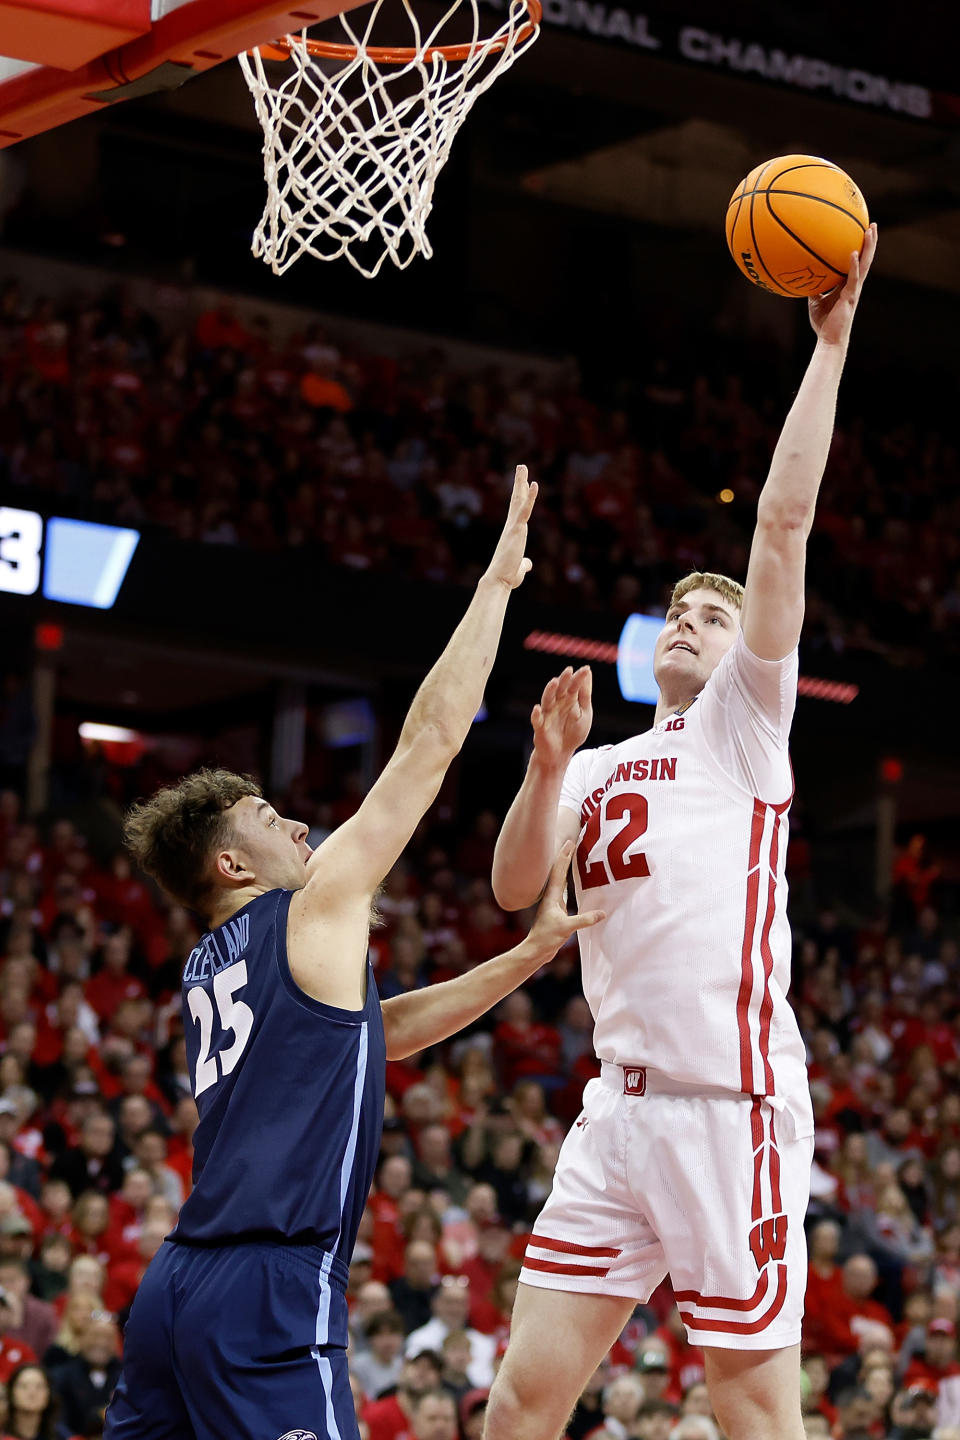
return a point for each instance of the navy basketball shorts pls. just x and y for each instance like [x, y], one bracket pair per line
[223, 1342]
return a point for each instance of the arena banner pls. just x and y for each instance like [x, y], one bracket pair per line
[748, 57]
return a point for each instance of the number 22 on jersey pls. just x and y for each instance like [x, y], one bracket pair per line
[234, 1015]
[613, 863]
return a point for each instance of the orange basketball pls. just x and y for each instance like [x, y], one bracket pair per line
[793, 224]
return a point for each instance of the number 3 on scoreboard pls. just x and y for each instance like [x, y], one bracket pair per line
[615, 864]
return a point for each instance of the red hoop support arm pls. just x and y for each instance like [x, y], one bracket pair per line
[194, 37]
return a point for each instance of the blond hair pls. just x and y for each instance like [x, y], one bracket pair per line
[174, 835]
[731, 590]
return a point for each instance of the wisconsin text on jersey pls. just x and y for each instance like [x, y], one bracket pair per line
[206, 958]
[659, 768]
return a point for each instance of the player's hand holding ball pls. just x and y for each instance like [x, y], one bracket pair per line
[832, 315]
[553, 927]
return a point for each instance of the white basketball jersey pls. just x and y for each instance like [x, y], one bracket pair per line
[683, 843]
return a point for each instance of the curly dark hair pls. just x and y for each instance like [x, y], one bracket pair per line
[173, 835]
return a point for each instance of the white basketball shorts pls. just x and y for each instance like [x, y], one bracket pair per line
[712, 1187]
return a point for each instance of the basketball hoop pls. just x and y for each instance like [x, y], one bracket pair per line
[356, 133]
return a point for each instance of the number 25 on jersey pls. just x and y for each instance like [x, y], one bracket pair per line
[234, 1015]
[613, 862]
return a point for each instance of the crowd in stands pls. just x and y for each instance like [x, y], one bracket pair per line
[96, 1120]
[216, 430]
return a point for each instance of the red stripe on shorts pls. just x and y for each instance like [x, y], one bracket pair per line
[540, 1242]
[554, 1267]
[746, 958]
[774, 1168]
[744, 1327]
[717, 1302]
[766, 1005]
[756, 1130]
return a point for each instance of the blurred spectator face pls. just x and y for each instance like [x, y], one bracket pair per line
[452, 1301]
[395, 1176]
[855, 1411]
[152, 1236]
[373, 1298]
[655, 1422]
[696, 1401]
[824, 1242]
[186, 1117]
[493, 1243]
[879, 1385]
[116, 952]
[55, 1198]
[14, 1279]
[56, 1253]
[150, 1149]
[508, 1150]
[97, 1136]
[652, 1367]
[456, 1352]
[158, 1208]
[29, 1392]
[435, 1417]
[529, 1102]
[518, 1009]
[100, 1343]
[136, 1074]
[941, 1345]
[622, 1399]
[135, 1115]
[420, 1374]
[915, 1410]
[91, 1214]
[86, 1274]
[419, 1264]
[75, 1046]
[859, 1277]
[481, 1203]
[22, 1035]
[136, 1189]
[435, 1147]
[386, 1339]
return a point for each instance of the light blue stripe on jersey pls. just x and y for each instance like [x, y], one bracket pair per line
[346, 1171]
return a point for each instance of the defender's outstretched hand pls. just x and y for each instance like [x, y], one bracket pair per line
[831, 315]
[561, 722]
[509, 564]
[553, 926]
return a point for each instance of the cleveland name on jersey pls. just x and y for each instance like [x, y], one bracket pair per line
[683, 841]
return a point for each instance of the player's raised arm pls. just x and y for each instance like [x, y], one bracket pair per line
[772, 613]
[355, 859]
[534, 828]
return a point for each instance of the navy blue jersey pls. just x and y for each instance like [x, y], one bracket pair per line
[289, 1090]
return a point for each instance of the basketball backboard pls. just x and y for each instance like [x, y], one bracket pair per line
[62, 59]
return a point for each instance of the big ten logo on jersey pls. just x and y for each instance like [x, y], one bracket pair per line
[768, 1240]
[615, 860]
[675, 722]
[221, 962]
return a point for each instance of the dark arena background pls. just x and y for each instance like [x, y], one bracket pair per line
[307, 474]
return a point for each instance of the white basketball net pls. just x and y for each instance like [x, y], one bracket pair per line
[353, 147]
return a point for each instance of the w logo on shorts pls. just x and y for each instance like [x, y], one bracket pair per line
[768, 1240]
